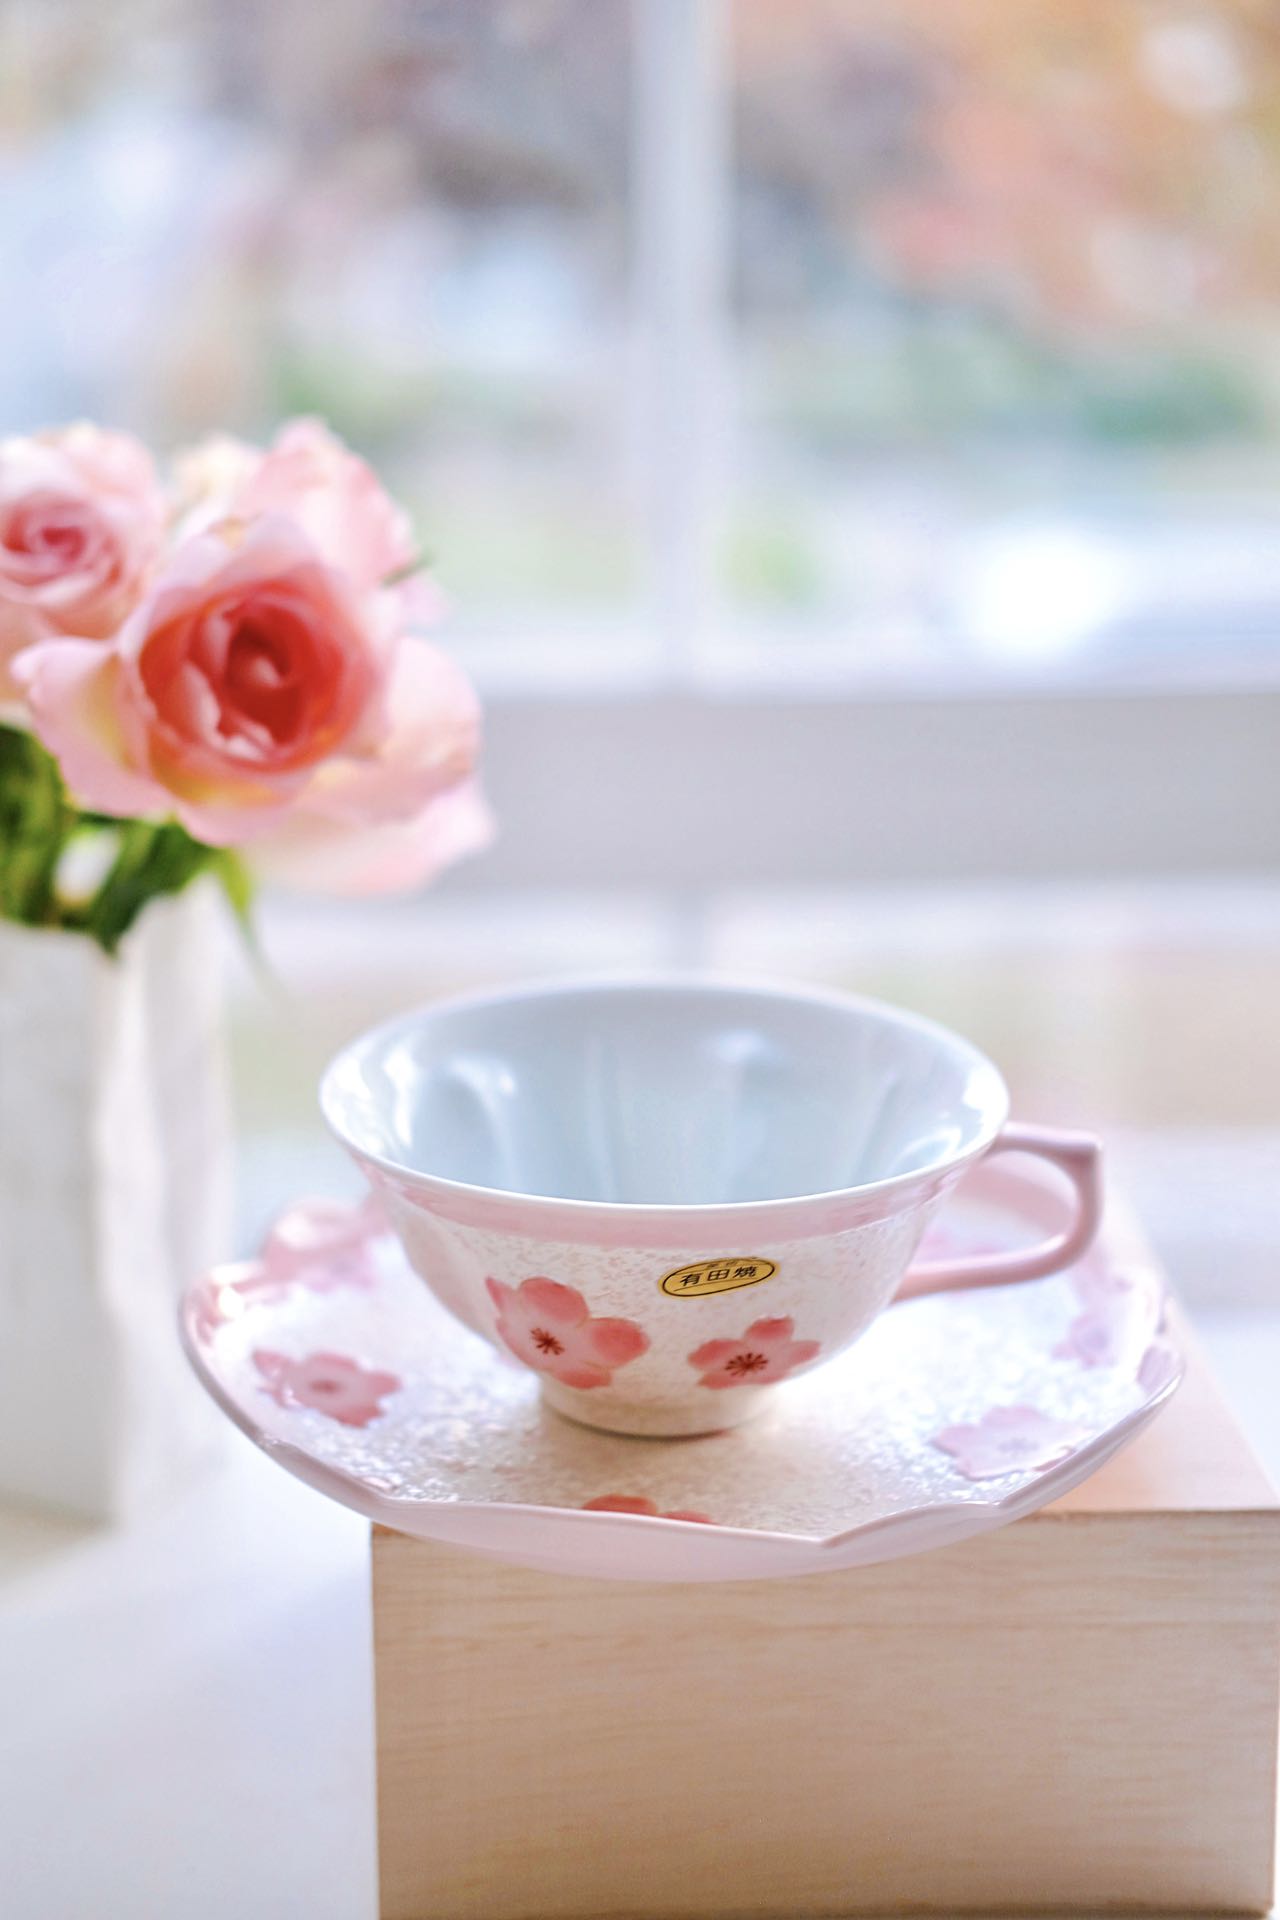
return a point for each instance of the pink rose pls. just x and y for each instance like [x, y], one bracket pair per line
[206, 477]
[82, 518]
[309, 476]
[256, 686]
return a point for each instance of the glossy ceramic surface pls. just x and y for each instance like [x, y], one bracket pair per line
[593, 1177]
[663, 1093]
[955, 1414]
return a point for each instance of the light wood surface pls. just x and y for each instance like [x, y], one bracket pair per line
[1079, 1712]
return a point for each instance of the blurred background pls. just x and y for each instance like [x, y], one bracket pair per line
[848, 434]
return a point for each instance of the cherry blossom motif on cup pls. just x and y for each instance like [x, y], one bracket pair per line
[330, 1383]
[648, 1509]
[550, 1327]
[264, 688]
[1008, 1440]
[767, 1352]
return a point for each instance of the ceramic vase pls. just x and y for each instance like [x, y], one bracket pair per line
[115, 1179]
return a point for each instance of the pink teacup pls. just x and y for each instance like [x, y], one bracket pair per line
[666, 1196]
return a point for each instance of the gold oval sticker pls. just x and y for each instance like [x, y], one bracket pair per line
[716, 1276]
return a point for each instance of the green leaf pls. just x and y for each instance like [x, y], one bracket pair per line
[399, 575]
[36, 819]
[237, 884]
[154, 859]
[38, 823]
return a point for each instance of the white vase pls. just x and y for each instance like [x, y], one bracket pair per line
[115, 1182]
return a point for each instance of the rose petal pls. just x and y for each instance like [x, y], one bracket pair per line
[228, 789]
[429, 743]
[310, 475]
[72, 688]
[100, 491]
[208, 476]
[308, 851]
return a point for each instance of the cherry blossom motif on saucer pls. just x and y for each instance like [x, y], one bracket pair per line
[955, 1413]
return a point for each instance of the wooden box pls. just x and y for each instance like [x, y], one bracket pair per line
[1078, 1712]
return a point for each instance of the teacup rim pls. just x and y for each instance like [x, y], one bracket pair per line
[675, 981]
[683, 981]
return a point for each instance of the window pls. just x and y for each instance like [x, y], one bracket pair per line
[847, 430]
[412, 219]
[1005, 320]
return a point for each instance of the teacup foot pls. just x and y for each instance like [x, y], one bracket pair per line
[601, 1410]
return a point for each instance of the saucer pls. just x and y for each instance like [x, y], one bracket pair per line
[954, 1413]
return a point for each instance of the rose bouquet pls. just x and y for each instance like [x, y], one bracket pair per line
[218, 674]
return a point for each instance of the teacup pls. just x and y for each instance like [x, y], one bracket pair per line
[667, 1196]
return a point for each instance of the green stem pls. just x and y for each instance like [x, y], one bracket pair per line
[37, 821]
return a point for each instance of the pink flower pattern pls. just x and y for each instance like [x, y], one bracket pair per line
[550, 1327]
[1159, 1365]
[1008, 1440]
[635, 1503]
[1117, 1317]
[205, 1310]
[766, 1352]
[331, 1383]
[322, 1245]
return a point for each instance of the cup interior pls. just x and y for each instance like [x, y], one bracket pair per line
[663, 1094]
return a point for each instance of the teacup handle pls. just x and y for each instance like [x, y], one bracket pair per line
[1079, 1156]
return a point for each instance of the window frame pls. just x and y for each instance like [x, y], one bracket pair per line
[686, 768]
[694, 789]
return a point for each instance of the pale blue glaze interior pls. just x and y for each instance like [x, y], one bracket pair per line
[670, 1095]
